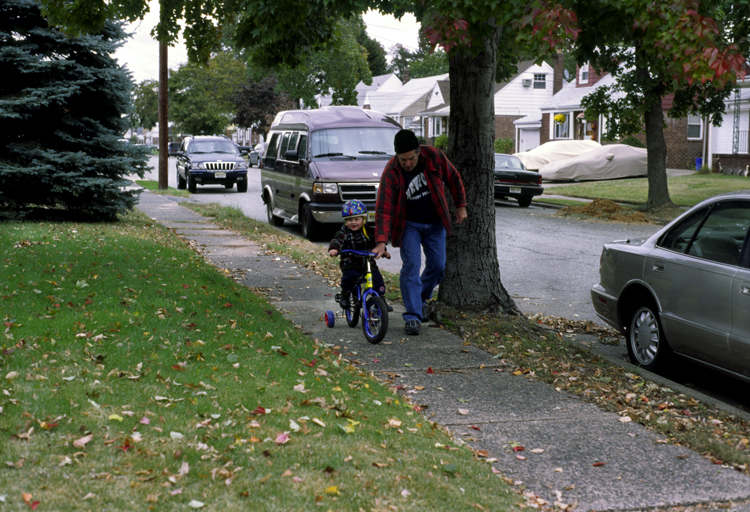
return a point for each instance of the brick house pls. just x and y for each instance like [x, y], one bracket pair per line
[563, 118]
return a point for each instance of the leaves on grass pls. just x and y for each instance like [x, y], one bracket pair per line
[83, 441]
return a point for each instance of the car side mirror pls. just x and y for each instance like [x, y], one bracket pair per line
[291, 155]
[180, 153]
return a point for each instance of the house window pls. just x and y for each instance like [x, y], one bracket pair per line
[561, 125]
[583, 77]
[540, 81]
[695, 127]
[438, 126]
[407, 122]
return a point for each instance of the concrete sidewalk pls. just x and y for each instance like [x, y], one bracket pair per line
[589, 459]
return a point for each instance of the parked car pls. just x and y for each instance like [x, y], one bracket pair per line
[685, 290]
[603, 163]
[256, 154]
[174, 147]
[210, 160]
[513, 180]
[318, 159]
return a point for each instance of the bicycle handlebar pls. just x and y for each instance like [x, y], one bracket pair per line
[359, 253]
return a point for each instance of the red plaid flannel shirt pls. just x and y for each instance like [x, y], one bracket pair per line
[390, 208]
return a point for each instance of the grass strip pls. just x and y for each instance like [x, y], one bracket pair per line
[136, 376]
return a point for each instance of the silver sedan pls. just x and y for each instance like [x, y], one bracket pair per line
[685, 290]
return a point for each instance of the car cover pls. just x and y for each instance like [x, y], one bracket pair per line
[603, 163]
[555, 150]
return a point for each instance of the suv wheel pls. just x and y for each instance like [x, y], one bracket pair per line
[191, 186]
[310, 227]
[228, 185]
[242, 186]
[181, 183]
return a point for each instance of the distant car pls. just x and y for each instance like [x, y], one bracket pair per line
[256, 154]
[210, 160]
[513, 180]
[685, 290]
[554, 151]
[174, 147]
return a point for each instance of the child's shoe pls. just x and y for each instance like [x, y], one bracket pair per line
[344, 300]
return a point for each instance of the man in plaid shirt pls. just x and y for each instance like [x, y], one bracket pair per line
[412, 213]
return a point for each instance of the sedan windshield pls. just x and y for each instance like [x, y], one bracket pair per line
[353, 142]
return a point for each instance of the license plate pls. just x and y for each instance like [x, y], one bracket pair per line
[220, 175]
[515, 190]
[370, 216]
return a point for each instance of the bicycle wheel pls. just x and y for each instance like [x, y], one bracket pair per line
[352, 312]
[375, 322]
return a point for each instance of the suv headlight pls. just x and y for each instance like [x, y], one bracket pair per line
[240, 165]
[325, 188]
[196, 165]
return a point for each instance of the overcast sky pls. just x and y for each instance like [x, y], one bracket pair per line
[141, 53]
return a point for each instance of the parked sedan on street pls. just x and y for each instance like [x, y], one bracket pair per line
[684, 290]
[513, 180]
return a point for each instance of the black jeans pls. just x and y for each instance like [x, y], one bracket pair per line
[350, 275]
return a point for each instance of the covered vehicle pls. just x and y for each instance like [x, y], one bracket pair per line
[603, 163]
[513, 180]
[554, 151]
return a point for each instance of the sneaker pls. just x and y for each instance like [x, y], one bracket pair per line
[344, 301]
[390, 308]
[413, 328]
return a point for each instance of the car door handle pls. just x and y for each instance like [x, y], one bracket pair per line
[658, 266]
[745, 290]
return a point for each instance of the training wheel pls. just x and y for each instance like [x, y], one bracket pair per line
[330, 318]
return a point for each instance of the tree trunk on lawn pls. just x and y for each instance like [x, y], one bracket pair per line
[472, 274]
[658, 191]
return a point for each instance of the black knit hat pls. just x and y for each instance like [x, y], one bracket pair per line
[405, 141]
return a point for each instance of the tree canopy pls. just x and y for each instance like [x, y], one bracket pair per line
[201, 96]
[146, 104]
[61, 118]
[257, 103]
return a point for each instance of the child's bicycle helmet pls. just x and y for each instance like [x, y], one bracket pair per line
[354, 208]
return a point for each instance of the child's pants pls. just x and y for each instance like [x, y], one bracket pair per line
[349, 279]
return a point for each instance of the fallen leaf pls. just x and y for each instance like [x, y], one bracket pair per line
[463, 412]
[115, 417]
[333, 490]
[81, 443]
[482, 453]
[520, 457]
[537, 450]
[625, 419]
[598, 464]
[430, 370]
[318, 422]
[393, 422]
[282, 438]
[196, 504]
[474, 427]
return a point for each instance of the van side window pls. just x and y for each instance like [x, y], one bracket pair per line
[284, 146]
[270, 160]
[302, 148]
[293, 141]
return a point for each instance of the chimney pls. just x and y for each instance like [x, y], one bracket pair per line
[558, 72]
[405, 75]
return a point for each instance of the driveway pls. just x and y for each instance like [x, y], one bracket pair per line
[548, 264]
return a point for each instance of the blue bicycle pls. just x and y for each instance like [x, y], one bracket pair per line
[375, 311]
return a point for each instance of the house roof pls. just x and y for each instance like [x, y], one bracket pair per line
[570, 96]
[393, 102]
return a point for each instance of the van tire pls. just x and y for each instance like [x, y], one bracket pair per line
[311, 228]
[272, 219]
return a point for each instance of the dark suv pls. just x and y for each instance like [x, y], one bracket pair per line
[210, 160]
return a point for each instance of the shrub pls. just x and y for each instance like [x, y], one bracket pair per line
[421, 140]
[632, 141]
[504, 145]
[441, 142]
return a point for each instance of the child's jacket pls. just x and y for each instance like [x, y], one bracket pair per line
[351, 240]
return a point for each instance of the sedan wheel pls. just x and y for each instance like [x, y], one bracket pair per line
[524, 201]
[647, 345]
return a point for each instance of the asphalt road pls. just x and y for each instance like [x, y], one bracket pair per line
[548, 264]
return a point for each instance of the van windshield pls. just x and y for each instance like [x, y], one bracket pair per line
[353, 142]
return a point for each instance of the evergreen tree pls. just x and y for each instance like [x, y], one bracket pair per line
[375, 52]
[62, 102]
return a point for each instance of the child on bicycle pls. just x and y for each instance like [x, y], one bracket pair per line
[353, 236]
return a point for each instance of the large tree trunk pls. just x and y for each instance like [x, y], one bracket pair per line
[658, 191]
[472, 274]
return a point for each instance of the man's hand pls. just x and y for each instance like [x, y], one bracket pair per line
[460, 215]
[379, 250]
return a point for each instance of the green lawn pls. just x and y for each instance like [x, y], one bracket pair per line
[136, 376]
[684, 190]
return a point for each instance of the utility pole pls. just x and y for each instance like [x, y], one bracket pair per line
[163, 108]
